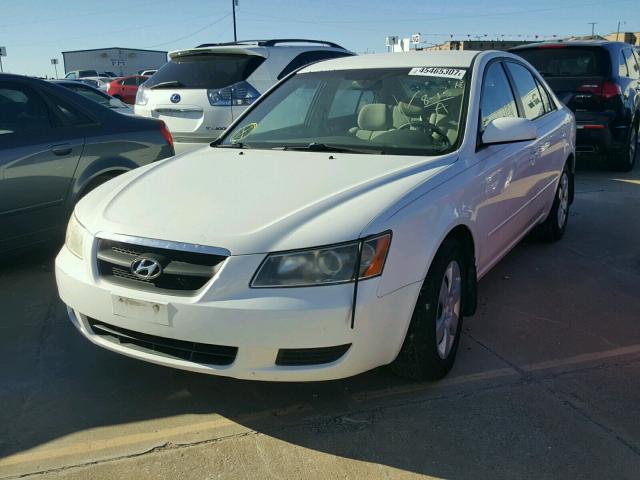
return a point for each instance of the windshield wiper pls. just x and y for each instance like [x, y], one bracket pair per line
[229, 145]
[169, 83]
[323, 147]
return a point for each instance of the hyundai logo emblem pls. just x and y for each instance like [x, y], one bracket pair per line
[146, 268]
[175, 98]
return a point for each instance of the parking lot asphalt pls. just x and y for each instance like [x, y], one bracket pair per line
[546, 383]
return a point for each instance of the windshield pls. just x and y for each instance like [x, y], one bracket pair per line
[412, 111]
[205, 71]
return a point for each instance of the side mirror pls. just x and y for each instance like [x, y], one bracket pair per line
[509, 130]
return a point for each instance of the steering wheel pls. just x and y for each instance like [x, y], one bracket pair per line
[427, 128]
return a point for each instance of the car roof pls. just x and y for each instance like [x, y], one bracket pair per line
[259, 47]
[569, 43]
[459, 59]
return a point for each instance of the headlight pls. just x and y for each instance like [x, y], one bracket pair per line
[324, 265]
[142, 96]
[74, 238]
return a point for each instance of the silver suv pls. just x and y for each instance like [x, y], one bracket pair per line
[200, 91]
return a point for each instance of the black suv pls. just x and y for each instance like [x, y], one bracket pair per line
[600, 82]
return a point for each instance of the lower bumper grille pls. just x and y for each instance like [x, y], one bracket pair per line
[310, 356]
[191, 351]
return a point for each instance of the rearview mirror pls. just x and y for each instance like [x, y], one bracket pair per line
[509, 130]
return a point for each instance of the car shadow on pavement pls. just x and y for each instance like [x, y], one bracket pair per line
[56, 384]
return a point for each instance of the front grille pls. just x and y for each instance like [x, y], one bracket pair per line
[310, 356]
[183, 272]
[167, 347]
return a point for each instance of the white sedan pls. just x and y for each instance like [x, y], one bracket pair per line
[340, 224]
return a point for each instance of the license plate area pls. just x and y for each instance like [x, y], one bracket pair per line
[135, 309]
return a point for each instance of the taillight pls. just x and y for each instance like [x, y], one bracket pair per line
[610, 89]
[166, 133]
[238, 94]
[605, 90]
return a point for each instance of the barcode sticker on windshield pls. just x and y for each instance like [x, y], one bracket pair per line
[456, 73]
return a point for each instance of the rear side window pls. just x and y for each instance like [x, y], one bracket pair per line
[205, 71]
[497, 100]
[547, 103]
[622, 66]
[130, 82]
[21, 110]
[567, 62]
[87, 73]
[527, 90]
[632, 64]
[309, 57]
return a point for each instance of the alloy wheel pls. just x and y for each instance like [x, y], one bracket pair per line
[448, 313]
[563, 197]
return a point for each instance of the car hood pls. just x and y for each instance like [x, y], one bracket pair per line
[255, 201]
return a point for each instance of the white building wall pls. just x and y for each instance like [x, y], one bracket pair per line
[122, 61]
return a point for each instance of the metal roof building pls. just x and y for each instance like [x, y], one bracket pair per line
[122, 61]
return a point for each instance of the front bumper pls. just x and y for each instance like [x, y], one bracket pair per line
[259, 322]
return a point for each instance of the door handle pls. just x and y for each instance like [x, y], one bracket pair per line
[60, 150]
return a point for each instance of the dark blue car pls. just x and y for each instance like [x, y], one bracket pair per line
[600, 82]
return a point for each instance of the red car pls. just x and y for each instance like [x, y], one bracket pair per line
[125, 88]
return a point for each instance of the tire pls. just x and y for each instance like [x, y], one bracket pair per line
[437, 313]
[625, 160]
[553, 228]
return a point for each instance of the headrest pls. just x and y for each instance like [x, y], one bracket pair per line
[374, 116]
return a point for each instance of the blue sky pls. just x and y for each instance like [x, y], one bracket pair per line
[34, 31]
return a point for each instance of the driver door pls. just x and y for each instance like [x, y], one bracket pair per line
[505, 173]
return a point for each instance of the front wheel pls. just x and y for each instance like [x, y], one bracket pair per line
[431, 343]
[553, 228]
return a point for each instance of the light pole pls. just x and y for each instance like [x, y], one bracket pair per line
[54, 62]
[593, 27]
[234, 3]
[618, 30]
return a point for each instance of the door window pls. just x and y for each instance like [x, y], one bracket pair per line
[349, 102]
[21, 110]
[497, 99]
[130, 82]
[527, 90]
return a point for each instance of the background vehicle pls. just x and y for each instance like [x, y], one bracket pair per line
[96, 95]
[125, 88]
[600, 82]
[200, 91]
[341, 224]
[109, 74]
[148, 73]
[76, 74]
[55, 146]
[101, 83]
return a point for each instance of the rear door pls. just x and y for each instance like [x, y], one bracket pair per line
[39, 153]
[197, 92]
[576, 74]
[504, 170]
[546, 159]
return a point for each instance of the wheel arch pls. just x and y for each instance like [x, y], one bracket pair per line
[464, 236]
[571, 160]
